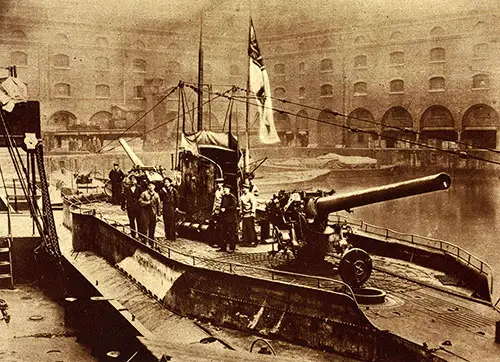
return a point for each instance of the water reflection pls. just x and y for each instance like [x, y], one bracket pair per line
[466, 214]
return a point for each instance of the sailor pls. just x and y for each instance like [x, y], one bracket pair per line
[150, 210]
[215, 220]
[228, 220]
[116, 176]
[253, 188]
[169, 197]
[248, 208]
[130, 202]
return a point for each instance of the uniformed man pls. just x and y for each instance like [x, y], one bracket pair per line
[228, 220]
[116, 177]
[169, 197]
[130, 202]
[215, 220]
[150, 210]
[248, 208]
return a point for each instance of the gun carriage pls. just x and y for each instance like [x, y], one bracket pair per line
[301, 230]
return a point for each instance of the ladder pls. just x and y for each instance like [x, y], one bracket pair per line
[6, 276]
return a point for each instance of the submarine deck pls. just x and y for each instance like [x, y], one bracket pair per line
[418, 307]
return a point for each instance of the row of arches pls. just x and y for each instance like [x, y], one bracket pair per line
[477, 127]
[436, 126]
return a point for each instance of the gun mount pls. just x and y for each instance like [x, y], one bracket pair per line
[300, 223]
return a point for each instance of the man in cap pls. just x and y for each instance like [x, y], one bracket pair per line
[248, 209]
[116, 177]
[228, 219]
[130, 202]
[215, 220]
[170, 202]
[150, 210]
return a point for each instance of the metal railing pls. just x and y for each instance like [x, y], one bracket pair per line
[221, 265]
[443, 246]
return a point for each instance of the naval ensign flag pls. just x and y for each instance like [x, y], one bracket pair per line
[259, 86]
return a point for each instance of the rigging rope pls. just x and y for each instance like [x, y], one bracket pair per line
[402, 129]
[169, 121]
[139, 119]
[461, 154]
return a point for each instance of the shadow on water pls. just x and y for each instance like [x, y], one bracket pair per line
[465, 215]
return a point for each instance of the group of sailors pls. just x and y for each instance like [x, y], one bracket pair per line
[225, 218]
[144, 206]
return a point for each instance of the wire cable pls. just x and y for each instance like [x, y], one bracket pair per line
[402, 129]
[139, 119]
[461, 154]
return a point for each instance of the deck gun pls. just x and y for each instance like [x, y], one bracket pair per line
[301, 227]
[143, 173]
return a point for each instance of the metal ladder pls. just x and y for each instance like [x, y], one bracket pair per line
[6, 275]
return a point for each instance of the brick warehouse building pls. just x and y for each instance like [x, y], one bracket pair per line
[437, 75]
[95, 76]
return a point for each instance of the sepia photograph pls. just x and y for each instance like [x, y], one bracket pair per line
[249, 180]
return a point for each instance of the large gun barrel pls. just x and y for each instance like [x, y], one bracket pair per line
[151, 173]
[131, 154]
[322, 206]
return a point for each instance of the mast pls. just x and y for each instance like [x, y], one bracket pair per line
[246, 158]
[200, 77]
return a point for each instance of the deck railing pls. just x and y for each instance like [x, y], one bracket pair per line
[438, 245]
[220, 265]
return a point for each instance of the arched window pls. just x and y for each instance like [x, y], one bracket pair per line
[302, 92]
[174, 67]
[480, 81]
[302, 67]
[397, 58]
[437, 54]
[101, 119]
[479, 51]
[396, 35]
[102, 63]
[437, 31]
[279, 49]
[360, 89]
[360, 39]
[61, 61]
[436, 83]
[279, 92]
[139, 44]
[102, 91]
[397, 86]
[480, 27]
[61, 38]
[360, 61]
[279, 69]
[326, 90]
[62, 90]
[19, 59]
[234, 70]
[19, 35]
[101, 42]
[139, 65]
[139, 92]
[326, 65]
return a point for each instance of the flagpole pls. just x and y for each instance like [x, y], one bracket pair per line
[247, 122]
[200, 77]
